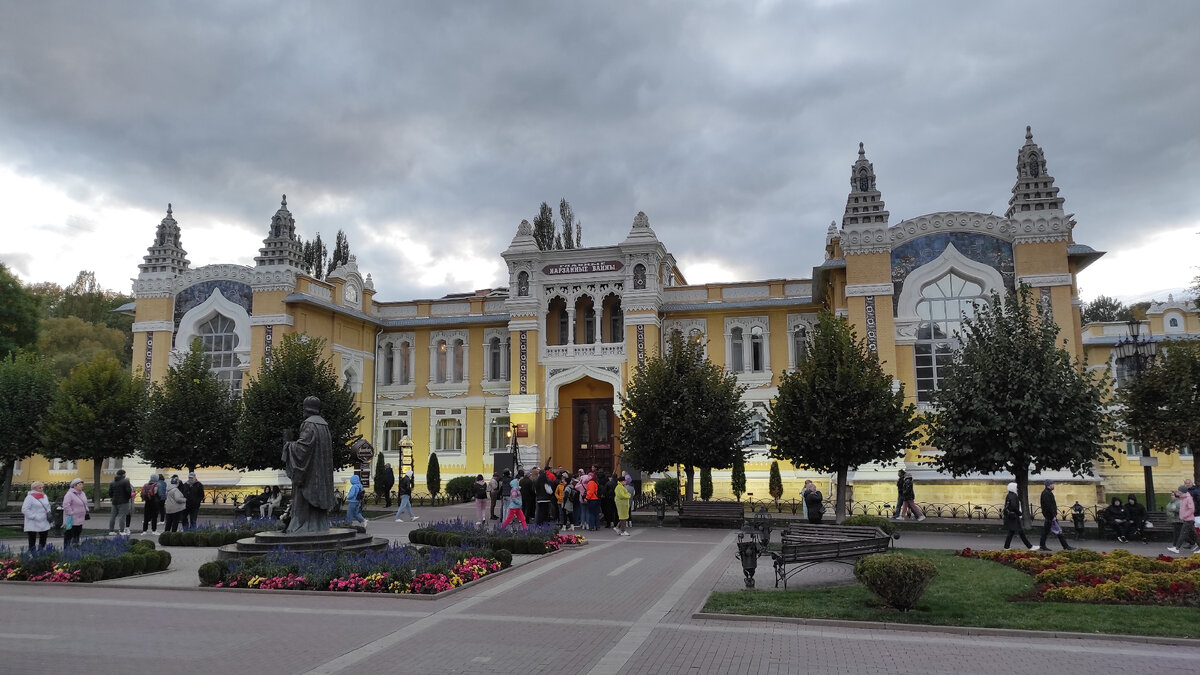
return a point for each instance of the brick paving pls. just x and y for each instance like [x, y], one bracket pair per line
[618, 605]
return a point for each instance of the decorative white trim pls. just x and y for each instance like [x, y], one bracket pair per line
[153, 326]
[747, 323]
[1037, 280]
[951, 221]
[352, 365]
[641, 319]
[862, 290]
[350, 352]
[493, 306]
[456, 413]
[569, 375]
[865, 238]
[491, 382]
[318, 291]
[397, 312]
[526, 322]
[802, 290]
[685, 328]
[216, 304]
[1030, 230]
[745, 292]
[794, 321]
[950, 260]
[392, 341]
[272, 320]
[522, 404]
[449, 387]
[450, 308]
[684, 294]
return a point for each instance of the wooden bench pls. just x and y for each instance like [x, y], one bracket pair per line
[1157, 518]
[12, 519]
[698, 513]
[805, 545]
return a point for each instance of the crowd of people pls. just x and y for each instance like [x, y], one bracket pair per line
[588, 499]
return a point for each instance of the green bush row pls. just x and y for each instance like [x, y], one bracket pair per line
[190, 538]
[461, 488]
[871, 521]
[517, 545]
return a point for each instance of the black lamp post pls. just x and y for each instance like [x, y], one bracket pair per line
[1135, 354]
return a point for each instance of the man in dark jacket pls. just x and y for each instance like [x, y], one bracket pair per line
[195, 497]
[120, 491]
[1050, 515]
[527, 495]
[543, 488]
[386, 482]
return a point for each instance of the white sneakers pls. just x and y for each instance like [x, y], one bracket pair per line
[623, 534]
[921, 518]
[1035, 547]
[1172, 549]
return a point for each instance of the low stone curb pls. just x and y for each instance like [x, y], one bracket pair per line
[975, 631]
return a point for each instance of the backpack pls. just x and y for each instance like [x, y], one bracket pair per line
[481, 491]
[149, 491]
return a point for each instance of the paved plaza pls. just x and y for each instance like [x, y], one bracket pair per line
[617, 605]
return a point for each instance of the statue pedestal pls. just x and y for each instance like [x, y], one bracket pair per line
[336, 539]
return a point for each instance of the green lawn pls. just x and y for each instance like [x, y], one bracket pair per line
[966, 592]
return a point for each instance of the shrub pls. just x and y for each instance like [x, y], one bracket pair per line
[141, 546]
[898, 579]
[186, 539]
[461, 488]
[91, 571]
[112, 568]
[520, 546]
[433, 475]
[210, 573]
[872, 521]
[706, 486]
[164, 559]
[536, 546]
[775, 482]
[504, 556]
[667, 489]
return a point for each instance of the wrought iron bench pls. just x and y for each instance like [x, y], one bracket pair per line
[805, 545]
[704, 514]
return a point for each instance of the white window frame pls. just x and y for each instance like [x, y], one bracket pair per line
[797, 322]
[688, 329]
[497, 383]
[393, 382]
[60, 465]
[457, 381]
[494, 416]
[747, 376]
[447, 414]
[1133, 449]
[949, 337]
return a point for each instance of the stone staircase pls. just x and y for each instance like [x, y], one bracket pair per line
[336, 539]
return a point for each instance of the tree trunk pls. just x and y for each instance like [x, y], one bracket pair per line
[97, 464]
[690, 472]
[839, 505]
[6, 474]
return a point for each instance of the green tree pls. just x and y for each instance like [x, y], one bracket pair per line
[1013, 401]
[27, 389]
[190, 417]
[569, 224]
[18, 314]
[274, 402]
[1104, 308]
[378, 480]
[706, 486]
[95, 415]
[1161, 407]
[314, 257]
[70, 341]
[737, 480]
[544, 228]
[681, 408]
[775, 483]
[340, 254]
[837, 411]
[433, 475]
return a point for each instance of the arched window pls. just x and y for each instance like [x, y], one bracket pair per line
[219, 340]
[523, 284]
[736, 363]
[389, 363]
[616, 328]
[563, 326]
[440, 366]
[393, 432]
[589, 326]
[1034, 169]
[799, 345]
[1173, 323]
[405, 364]
[458, 360]
[864, 183]
[639, 276]
[498, 355]
[694, 335]
[756, 349]
[942, 306]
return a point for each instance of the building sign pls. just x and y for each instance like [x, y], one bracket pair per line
[522, 430]
[584, 267]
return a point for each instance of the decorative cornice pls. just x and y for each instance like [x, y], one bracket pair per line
[350, 351]
[861, 290]
[260, 279]
[951, 221]
[1056, 227]
[864, 239]
[272, 320]
[522, 403]
[153, 326]
[1037, 280]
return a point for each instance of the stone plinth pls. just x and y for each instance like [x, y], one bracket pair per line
[336, 539]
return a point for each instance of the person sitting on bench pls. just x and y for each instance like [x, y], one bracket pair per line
[1137, 518]
[1116, 517]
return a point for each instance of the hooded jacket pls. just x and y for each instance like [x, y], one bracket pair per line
[176, 502]
[356, 489]
[1187, 508]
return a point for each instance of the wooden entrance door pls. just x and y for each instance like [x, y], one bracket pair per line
[592, 434]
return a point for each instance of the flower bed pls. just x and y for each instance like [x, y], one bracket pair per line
[454, 533]
[399, 569]
[94, 559]
[1119, 577]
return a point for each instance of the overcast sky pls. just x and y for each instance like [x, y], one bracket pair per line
[429, 130]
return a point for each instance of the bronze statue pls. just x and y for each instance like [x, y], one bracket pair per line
[309, 463]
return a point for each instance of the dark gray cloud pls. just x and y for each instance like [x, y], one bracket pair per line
[732, 125]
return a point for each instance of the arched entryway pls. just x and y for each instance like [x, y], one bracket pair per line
[586, 427]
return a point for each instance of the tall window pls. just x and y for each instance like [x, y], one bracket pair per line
[448, 436]
[405, 364]
[389, 364]
[219, 340]
[737, 363]
[942, 307]
[393, 432]
[616, 327]
[440, 366]
[523, 284]
[756, 349]
[498, 358]
[459, 350]
[498, 434]
[639, 276]
[563, 325]
[799, 345]
[589, 326]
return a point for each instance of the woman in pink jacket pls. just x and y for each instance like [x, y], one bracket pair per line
[75, 508]
[1187, 514]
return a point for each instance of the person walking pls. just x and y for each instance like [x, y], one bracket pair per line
[404, 489]
[150, 506]
[525, 483]
[36, 510]
[1050, 518]
[514, 506]
[386, 482]
[354, 501]
[1186, 531]
[494, 494]
[121, 494]
[481, 500]
[1012, 519]
[908, 498]
[175, 507]
[195, 497]
[75, 511]
[621, 497]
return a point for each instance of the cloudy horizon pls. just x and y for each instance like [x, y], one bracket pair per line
[428, 131]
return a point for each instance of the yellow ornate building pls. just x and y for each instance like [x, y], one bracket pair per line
[549, 356]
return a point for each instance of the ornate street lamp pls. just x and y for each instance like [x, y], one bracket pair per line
[1134, 355]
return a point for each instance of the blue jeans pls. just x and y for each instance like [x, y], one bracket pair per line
[405, 505]
[354, 512]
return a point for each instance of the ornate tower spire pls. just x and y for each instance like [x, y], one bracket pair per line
[166, 256]
[281, 247]
[864, 203]
[1034, 189]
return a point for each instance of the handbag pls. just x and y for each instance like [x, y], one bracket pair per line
[1055, 528]
[87, 515]
[69, 522]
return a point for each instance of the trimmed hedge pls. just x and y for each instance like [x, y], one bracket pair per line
[898, 579]
[461, 488]
[871, 521]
